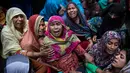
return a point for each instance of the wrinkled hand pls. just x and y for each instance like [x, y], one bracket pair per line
[45, 50]
[62, 10]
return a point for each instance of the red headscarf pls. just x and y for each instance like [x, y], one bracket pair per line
[30, 39]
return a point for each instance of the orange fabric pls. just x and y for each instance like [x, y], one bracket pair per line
[39, 67]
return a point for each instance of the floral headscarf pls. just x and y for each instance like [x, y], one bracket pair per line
[102, 58]
[65, 29]
[110, 35]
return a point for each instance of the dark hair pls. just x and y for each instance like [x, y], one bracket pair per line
[127, 54]
[74, 5]
[79, 14]
[115, 8]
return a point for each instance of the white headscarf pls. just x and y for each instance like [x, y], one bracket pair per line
[10, 37]
[10, 14]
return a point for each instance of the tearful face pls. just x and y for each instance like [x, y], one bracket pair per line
[112, 45]
[56, 28]
[120, 59]
[72, 11]
[42, 28]
[19, 21]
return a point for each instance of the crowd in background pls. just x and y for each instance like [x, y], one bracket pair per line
[65, 36]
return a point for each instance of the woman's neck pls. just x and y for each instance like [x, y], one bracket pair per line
[116, 70]
[20, 30]
[76, 20]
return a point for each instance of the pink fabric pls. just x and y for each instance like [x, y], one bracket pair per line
[30, 41]
[118, 1]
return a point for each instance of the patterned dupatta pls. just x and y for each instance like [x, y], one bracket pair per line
[63, 45]
[102, 58]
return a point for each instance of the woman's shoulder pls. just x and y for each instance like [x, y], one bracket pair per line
[5, 30]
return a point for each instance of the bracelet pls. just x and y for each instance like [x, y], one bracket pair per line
[23, 52]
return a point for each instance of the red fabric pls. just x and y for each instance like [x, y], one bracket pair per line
[84, 44]
[48, 70]
[67, 63]
[18, 52]
[31, 23]
[30, 41]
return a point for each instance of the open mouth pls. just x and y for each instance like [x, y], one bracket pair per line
[72, 13]
[56, 32]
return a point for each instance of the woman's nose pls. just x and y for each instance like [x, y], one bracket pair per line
[113, 47]
[55, 26]
[19, 18]
[117, 56]
[41, 27]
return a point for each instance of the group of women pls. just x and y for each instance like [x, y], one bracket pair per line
[65, 44]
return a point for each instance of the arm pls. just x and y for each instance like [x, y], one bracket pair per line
[81, 52]
[44, 51]
[90, 43]
[12, 46]
[9, 42]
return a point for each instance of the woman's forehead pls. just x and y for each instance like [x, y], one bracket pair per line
[123, 52]
[56, 22]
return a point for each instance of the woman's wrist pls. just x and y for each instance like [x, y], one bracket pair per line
[88, 58]
[23, 52]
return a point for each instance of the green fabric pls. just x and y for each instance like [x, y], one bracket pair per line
[103, 3]
[90, 68]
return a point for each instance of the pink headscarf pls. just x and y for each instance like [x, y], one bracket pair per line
[68, 39]
[63, 47]
[65, 29]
